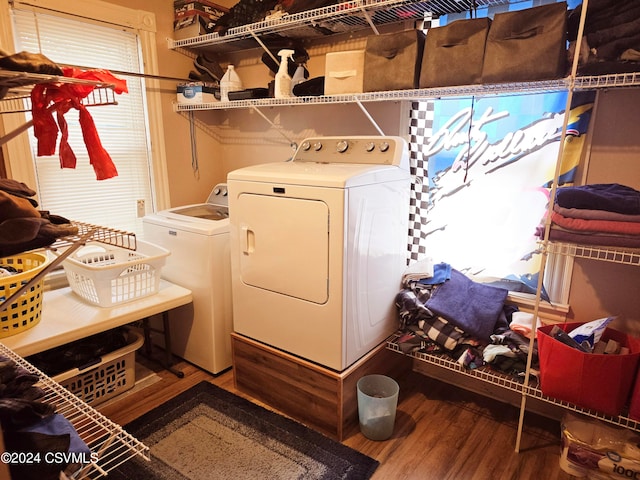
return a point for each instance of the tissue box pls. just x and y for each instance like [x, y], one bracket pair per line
[599, 382]
[195, 93]
[344, 72]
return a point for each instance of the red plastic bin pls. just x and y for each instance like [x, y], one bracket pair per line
[600, 382]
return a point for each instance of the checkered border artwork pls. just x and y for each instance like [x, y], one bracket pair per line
[420, 128]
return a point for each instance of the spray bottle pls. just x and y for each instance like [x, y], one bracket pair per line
[282, 88]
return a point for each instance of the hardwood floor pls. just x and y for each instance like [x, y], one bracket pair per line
[441, 432]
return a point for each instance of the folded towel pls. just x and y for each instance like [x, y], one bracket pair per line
[559, 234]
[472, 307]
[441, 273]
[612, 197]
[596, 226]
[522, 322]
[417, 271]
[587, 214]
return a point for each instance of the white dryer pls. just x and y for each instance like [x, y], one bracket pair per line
[319, 245]
[198, 238]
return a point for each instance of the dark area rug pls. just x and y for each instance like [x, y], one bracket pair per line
[210, 433]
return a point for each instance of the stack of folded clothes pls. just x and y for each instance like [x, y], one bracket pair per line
[611, 37]
[596, 214]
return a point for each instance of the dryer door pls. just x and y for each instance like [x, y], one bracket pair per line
[284, 245]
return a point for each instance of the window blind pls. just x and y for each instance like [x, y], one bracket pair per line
[122, 128]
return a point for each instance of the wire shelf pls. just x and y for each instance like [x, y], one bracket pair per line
[19, 85]
[108, 441]
[392, 95]
[507, 382]
[109, 236]
[631, 79]
[339, 18]
[605, 254]
[554, 85]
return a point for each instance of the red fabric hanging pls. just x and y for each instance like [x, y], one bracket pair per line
[61, 97]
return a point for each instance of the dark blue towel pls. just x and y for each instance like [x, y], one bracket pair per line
[611, 197]
[472, 307]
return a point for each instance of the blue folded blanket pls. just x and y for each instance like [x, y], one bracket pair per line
[471, 306]
[611, 197]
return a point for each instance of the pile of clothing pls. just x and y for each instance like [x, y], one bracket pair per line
[611, 37]
[603, 214]
[443, 311]
[31, 425]
[22, 226]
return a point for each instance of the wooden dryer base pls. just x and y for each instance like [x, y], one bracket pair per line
[320, 398]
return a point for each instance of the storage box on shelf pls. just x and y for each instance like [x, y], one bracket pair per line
[110, 275]
[24, 313]
[344, 72]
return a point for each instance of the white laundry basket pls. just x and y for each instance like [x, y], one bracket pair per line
[107, 275]
[115, 374]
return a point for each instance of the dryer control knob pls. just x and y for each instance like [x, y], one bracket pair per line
[342, 146]
[317, 146]
[216, 191]
[384, 146]
[305, 146]
[370, 146]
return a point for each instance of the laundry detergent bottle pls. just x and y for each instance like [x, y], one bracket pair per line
[282, 87]
[230, 82]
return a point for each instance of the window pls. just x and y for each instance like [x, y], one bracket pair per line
[123, 129]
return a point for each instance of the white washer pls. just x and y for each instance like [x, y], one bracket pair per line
[319, 245]
[198, 238]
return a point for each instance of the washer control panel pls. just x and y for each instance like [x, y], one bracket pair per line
[383, 150]
[219, 195]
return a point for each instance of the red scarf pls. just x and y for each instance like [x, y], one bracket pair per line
[61, 97]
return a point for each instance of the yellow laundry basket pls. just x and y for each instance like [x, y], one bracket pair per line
[25, 311]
